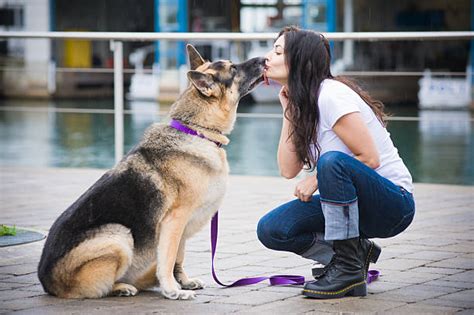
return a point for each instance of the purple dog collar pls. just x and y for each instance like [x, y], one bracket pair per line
[176, 124]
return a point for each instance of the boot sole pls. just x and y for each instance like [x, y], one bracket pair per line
[356, 289]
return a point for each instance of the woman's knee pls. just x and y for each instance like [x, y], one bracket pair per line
[330, 162]
[330, 159]
[269, 233]
[263, 231]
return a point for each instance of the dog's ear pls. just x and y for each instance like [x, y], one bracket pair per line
[203, 82]
[195, 59]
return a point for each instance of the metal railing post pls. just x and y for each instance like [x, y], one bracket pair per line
[117, 48]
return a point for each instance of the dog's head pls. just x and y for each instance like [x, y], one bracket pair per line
[216, 88]
[224, 79]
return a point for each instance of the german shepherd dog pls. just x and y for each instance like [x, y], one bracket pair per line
[127, 232]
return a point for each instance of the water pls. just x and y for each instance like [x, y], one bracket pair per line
[439, 148]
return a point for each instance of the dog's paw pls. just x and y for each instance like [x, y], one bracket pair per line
[124, 289]
[178, 294]
[192, 284]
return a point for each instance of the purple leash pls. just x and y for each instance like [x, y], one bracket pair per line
[372, 275]
[274, 280]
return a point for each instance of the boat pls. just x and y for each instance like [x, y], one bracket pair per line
[143, 86]
[444, 93]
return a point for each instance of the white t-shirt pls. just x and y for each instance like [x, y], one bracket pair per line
[336, 100]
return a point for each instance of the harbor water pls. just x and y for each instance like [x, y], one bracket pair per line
[437, 146]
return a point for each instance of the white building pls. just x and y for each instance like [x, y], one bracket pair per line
[28, 60]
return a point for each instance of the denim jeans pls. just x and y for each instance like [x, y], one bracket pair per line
[354, 201]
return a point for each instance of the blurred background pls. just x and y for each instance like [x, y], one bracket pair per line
[56, 96]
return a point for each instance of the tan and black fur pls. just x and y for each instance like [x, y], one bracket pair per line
[128, 231]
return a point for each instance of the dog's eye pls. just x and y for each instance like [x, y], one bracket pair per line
[233, 67]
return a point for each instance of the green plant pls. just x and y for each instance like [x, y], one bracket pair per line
[7, 230]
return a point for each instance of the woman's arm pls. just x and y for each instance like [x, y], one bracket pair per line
[288, 162]
[352, 130]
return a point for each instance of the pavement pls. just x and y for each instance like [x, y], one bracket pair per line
[428, 269]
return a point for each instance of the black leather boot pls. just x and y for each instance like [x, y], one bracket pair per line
[344, 275]
[370, 253]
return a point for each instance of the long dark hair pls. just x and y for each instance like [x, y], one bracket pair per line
[308, 58]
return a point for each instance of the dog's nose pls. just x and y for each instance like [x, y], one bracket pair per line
[261, 62]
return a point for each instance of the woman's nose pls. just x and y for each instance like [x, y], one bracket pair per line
[267, 56]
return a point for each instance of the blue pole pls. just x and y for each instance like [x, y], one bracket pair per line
[52, 15]
[331, 21]
[331, 15]
[472, 46]
[157, 29]
[303, 16]
[182, 27]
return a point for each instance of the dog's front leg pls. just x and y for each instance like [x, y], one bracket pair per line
[180, 275]
[171, 231]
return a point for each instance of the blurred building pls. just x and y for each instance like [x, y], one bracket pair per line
[47, 68]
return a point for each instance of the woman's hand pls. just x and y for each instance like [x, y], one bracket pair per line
[283, 96]
[305, 189]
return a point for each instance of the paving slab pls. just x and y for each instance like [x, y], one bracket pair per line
[427, 269]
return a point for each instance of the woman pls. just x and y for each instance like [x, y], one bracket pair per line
[365, 190]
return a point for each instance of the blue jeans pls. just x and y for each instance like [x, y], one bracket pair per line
[354, 201]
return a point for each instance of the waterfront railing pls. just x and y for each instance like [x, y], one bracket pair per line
[117, 38]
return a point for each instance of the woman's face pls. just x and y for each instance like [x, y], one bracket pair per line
[276, 68]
